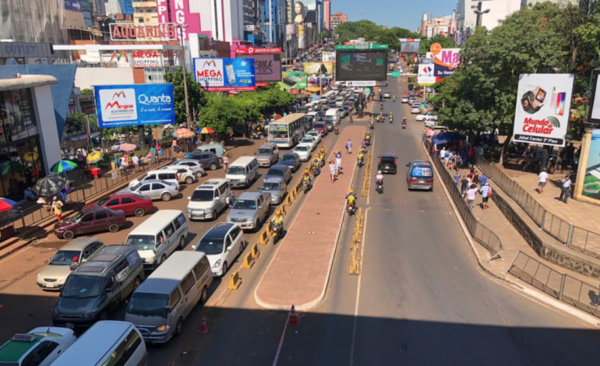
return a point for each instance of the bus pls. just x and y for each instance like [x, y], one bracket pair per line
[287, 131]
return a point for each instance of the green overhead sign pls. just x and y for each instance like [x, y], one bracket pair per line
[364, 47]
[396, 74]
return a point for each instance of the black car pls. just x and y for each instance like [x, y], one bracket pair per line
[292, 160]
[387, 164]
[208, 159]
[321, 115]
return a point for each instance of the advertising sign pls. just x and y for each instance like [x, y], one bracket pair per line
[304, 11]
[360, 65]
[328, 56]
[594, 102]
[361, 83]
[542, 111]
[134, 105]
[446, 60]
[73, 5]
[315, 67]
[591, 180]
[152, 58]
[409, 45]
[178, 11]
[363, 46]
[266, 65]
[134, 32]
[225, 74]
[425, 74]
[294, 80]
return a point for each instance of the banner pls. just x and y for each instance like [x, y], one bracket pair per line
[73, 5]
[267, 62]
[361, 83]
[134, 105]
[591, 179]
[446, 60]
[594, 101]
[315, 67]
[225, 74]
[178, 11]
[425, 74]
[328, 56]
[359, 65]
[294, 80]
[542, 111]
[409, 45]
[152, 58]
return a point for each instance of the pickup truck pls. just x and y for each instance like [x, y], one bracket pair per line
[250, 209]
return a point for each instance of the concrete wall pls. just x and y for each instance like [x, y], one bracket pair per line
[87, 77]
[44, 111]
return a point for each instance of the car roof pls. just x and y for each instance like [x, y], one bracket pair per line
[169, 274]
[388, 155]
[153, 181]
[211, 184]
[221, 229]
[94, 209]
[279, 167]
[421, 162]
[250, 195]
[186, 161]
[79, 243]
[304, 144]
[273, 180]
[20, 344]
[291, 154]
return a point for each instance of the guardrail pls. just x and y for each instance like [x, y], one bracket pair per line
[480, 232]
[561, 286]
[574, 237]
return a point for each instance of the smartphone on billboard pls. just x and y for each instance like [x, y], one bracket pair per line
[230, 74]
[560, 103]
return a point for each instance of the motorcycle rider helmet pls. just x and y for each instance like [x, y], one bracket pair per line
[306, 171]
[278, 213]
[351, 191]
[379, 172]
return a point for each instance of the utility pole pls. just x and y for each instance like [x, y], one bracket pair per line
[185, 89]
[479, 12]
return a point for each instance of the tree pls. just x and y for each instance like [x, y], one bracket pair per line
[372, 32]
[444, 41]
[75, 123]
[87, 92]
[196, 97]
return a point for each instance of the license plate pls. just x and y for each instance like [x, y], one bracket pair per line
[70, 325]
[50, 285]
[421, 181]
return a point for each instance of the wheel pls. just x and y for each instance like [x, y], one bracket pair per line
[212, 166]
[113, 228]
[182, 243]
[189, 180]
[224, 268]
[179, 327]
[165, 197]
[104, 316]
[137, 283]
[204, 295]
[241, 247]
[139, 212]
[199, 174]
[69, 234]
[163, 259]
[214, 214]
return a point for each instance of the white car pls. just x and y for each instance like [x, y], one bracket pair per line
[404, 99]
[309, 140]
[303, 151]
[430, 122]
[415, 109]
[316, 134]
[387, 95]
[194, 165]
[424, 116]
[222, 244]
[41, 346]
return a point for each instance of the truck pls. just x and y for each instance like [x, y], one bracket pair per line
[250, 209]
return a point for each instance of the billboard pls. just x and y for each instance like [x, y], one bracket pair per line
[357, 65]
[178, 12]
[591, 180]
[225, 74]
[294, 80]
[73, 5]
[409, 45]
[446, 60]
[314, 67]
[542, 110]
[153, 58]
[594, 101]
[304, 11]
[134, 105]
[425, 74]
[136, 32]
[328, 56]
[267, 62]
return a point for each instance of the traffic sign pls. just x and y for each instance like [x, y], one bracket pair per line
[396, 74]
[363, 47]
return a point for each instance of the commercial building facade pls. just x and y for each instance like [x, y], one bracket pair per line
[338, 18]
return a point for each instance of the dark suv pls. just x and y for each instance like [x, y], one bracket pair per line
[387, 164]
[207, 159]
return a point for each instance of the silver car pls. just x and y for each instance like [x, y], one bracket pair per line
[250, 209]
[155, 189]
[415, 109]
[419, 175]
[194, 165]
[276, 187]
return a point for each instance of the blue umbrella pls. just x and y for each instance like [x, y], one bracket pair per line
[63, 166]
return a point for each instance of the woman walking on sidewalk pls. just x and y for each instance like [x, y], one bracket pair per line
[332, 171]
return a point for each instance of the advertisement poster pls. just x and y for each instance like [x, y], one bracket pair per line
[301, 37]
[73, 5]
[425, 74]
[328, 56]
[358, 65]
[152, 58]
[303, 11]
[542, 111]
[267, 62]
[294, 80]
[225, 74]
[446, 60]
[594, 102]
[315, 67]
[409, 45]
[591, 181]
[134, 105]
[179, 13]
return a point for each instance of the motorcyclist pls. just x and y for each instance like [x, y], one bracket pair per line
[307, 177]
[316, 165]
[403, 122]
[336, 128]
[391, 117]
[277, 220]
[381, 117]
[368, 138]
[360, 158]
[381, 105]
[379, 177]
[394, 97]
[351, 198]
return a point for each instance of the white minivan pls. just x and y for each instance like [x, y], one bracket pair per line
[157, 237]
[332, 118]
[167, 175]
[242, 172]
[208, 199]
[339, 101]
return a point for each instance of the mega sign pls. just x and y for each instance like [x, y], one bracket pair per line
[134, 105]
[151, 58]
[133, 32]
[225, 74]
[178, 11]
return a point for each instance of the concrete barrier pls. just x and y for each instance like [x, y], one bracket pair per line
[254, 251]
[234, 281]
[248, 261]
[288, 200]
[282, 209]
[268, 229]
[264, 238]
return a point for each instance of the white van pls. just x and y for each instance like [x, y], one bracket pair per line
[339, 101]
[107, 342]
[330, 96]
[242, 172]
[157, 237]
[332, 118]
[163, 301]
[168, 175]
[208, 199]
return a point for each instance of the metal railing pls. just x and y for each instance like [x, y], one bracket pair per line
[574, 237]
[480, 232]
[561, 286]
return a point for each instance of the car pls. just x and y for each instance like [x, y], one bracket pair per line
[316, 134]
[387, 95]
[424, 116]
[277, 187]
[53, 275]
[342, 112]
[250, 209]
[347, 109]
[309, 140]
[387, 163]
[221, 245]
[321, 115]
[322, 128]
[40, 346]
[280, 171]
[332, 106]
[404, 99]
[208, 199]
[303, 151]
[292, 160]
[91, 220]
[431, 122]
[412, 100]
[415, 109]
[130, 203]
[184, 174]
[155, 189]
[195, 165]
[206, 158]
[419, 175]
[267, 154]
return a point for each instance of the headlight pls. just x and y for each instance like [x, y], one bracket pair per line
[189, 210]
[39, 277]
[89, 315]
[150, 260]
[217, 264]
[162, 328]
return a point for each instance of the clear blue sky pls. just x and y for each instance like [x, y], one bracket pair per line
[393, 13]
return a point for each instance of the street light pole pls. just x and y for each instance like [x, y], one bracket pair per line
[182, 61]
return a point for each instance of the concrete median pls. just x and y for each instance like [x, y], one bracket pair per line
[248, 261]
[264, 238]
[234, 281]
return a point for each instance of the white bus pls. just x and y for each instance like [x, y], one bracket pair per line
[287, 131]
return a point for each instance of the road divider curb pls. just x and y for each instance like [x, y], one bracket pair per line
[234, 281]
[248, 261]
[264, 238]
[255, 252]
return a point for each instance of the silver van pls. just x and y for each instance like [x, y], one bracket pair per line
[208, 200]
[216, 149]
[267, 155]
[161, 304]
[157, 237]
[166, 175]
[242, 172]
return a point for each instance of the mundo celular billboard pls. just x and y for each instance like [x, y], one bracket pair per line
[446, 60]
[225, 74]
[267, 62]
[134, 105]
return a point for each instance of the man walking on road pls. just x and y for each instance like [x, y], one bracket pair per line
[483, 180]
[349, 146]
[457, 179]
[485, 194]
[471, 196]
[338, 162]
[565, 189]
[464, 185]
[542, 183]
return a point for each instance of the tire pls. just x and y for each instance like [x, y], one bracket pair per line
[182, 243]
[199, 174]
[179, 327]
[165, 197]
[163, 258]
[214, 214]
[69, 234]
[212, 166]
[189, 180]
[224, 269]
[139, 212]
[241, 247]
[136, 283]
[113, 228]
[204, 295]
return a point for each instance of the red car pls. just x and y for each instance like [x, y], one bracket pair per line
[132, 204]
[321, 127]
[91, 220]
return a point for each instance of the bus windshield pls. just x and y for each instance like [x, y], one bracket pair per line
[277, 131]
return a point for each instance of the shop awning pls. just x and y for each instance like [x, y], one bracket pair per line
[306, 92]
[313, 89]
[27, 82]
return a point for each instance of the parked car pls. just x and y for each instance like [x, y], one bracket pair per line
[431, 122]
[130, 203]
[207, 159]
[208, 199]
[54, 274]
[424, 116]
[321, 127]
[280, 171]
[310, 141]
[415, 109]
[39, 347]
[91, 220]
[250, 209]
[277, 187]
[404, 99]
[315, 134]
[342, 112]
[387, 163]
[347, 109]
[184, 174]
[155, 189]
[222, 244]
[419, 175]
[194, 165]
[267, 154]
[292, 160]
[303, 151]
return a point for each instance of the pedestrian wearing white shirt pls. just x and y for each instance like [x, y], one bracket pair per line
[486, 191]
[471, 196]
[443, 153]
[543, 179]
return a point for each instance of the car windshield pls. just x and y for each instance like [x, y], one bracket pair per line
[263, 152]
[76, 218]
[277, 172]
[141, 242]
[136, 187]
[301, 148]
[270, 186]
[210, 246]
[236, 170]
[387, 159]
[149, 304]
[307, 139]
[422, 171]
[103, 201]
[202, 196]
[288, 158]
[64, 257]
[81, 287]
[244, 205]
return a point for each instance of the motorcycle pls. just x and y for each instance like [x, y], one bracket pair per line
[379, 188]
[277, 230]
[380, 119]
[305, 186]
[359, 161]
[351, 208]
[337, 130]
[404, 124]
[371, 125]
[368, 142]
[315, 170]
[391, 119]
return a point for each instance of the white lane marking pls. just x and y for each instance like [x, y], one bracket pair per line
[280, 346]
[356, 305]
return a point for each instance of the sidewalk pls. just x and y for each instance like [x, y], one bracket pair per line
[299, 272]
